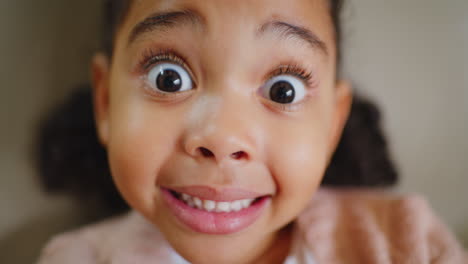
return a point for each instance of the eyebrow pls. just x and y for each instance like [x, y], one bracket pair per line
[164, 21]
[172, 19]
[288, 30]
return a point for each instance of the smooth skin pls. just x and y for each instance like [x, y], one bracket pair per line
[153, 139]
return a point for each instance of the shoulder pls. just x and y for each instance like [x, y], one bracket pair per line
[128, 238]
[84, 245]
[376, 226]
[67, 248]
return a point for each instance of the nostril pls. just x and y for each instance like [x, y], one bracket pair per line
[209, 154]
[206, 152]
[239, 155]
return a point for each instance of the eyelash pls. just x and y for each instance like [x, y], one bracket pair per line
[152, 57]
[294, 70]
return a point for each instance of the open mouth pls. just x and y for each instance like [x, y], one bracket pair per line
[231, 211]
[215, 206]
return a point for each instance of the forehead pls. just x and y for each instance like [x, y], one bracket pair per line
[257, 6]
[312, 14]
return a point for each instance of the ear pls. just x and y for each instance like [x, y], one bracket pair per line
[343, 102]
[100, 81]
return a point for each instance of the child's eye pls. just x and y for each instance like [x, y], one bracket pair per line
[169, 78]
[284, 89]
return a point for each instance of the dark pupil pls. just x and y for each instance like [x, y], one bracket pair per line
[282, 92]
[169, 81]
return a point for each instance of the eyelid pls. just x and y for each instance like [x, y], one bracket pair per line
[295, 70]
[284, 107]
[152, 57]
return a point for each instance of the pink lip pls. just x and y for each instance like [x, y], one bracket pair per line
[213, 222]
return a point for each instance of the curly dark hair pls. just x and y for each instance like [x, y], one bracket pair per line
[71, 160]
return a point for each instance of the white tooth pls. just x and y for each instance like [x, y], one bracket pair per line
[198, 202]
[246, 202]
[236, 206]
[185, 197]
[223, 207]
[191, 203]
[209, 205]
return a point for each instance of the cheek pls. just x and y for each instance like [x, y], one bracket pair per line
[298, 164]
[301, 161]
[141, 139]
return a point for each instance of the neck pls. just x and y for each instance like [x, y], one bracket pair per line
[278, 248]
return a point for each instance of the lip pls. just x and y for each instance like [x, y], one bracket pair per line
[215, 223]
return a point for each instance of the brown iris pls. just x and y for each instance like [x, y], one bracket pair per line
[169, 81]
[282, 92]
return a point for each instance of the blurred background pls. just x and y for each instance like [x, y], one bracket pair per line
[409, 56]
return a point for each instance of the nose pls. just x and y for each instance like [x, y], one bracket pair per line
[213, 147]
[224, 134]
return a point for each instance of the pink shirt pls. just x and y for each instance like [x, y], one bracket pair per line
[338, 226]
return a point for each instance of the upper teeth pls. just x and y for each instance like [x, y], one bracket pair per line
[210, 206]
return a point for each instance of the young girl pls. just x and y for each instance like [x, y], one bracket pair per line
[218, 121]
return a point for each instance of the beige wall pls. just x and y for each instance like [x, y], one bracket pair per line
[411, 56]
[44, 50]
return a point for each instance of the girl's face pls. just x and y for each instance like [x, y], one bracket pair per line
[220, 117]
